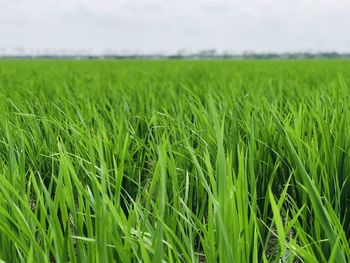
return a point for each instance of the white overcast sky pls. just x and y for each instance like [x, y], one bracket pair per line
[149, 26]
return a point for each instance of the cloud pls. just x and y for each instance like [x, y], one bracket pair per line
[155, 25]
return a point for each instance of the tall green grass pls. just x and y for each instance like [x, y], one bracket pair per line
[174, 161]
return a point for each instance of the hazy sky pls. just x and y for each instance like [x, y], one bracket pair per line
[148, 26]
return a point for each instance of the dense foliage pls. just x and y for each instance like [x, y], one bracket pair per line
[168, 161]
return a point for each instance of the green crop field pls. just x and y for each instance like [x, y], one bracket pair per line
[174, 161]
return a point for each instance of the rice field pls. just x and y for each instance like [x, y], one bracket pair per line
[174, 161]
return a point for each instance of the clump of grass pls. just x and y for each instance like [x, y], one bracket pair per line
[174, 161]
